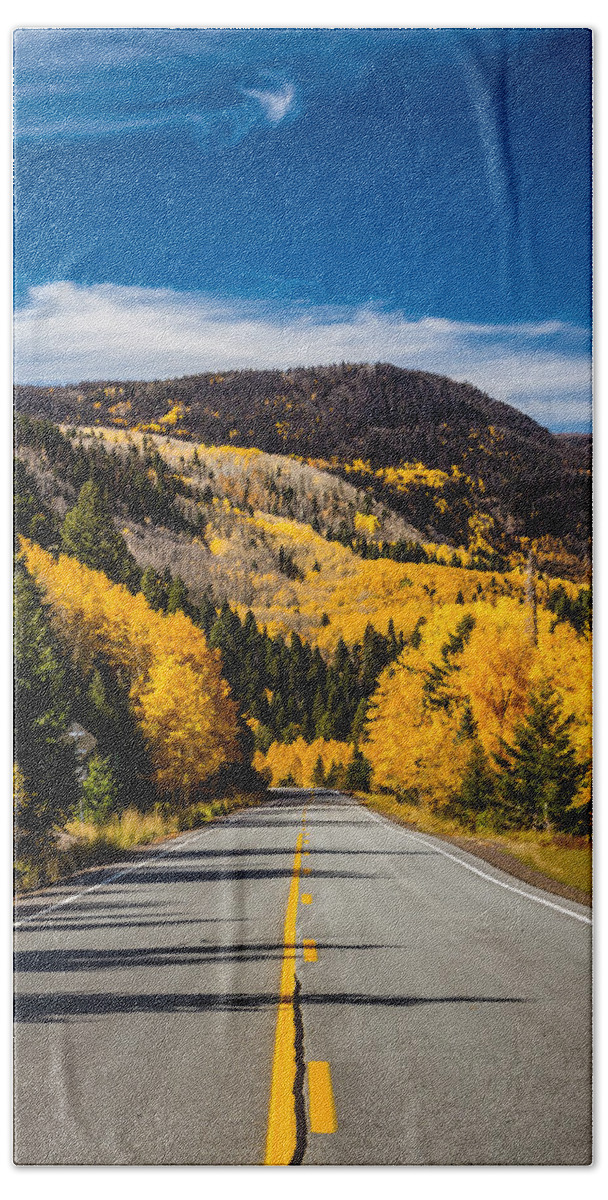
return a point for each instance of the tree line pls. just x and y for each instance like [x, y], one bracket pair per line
[489, 735]
[286, 686]
[325, 411]
[87, 677]
[497, 723]
[141, 485]
[93, 659]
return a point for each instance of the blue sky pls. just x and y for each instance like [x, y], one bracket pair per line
[198, 199]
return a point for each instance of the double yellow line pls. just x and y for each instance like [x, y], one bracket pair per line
[282, 1129]
[282, 1135]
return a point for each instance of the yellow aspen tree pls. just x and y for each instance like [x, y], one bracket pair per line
[179, 696]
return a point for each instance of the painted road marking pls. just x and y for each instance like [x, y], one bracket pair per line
[321, 1107]
[310, 950]
[130, 870]
[306, 898]
[492, 878]
[281, 1136]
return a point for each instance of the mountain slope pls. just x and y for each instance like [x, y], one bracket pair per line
[379, 413]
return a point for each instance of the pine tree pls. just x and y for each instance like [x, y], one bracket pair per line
[358, 731]
[100, 790]
[358, 773]
[32, 517]
[88, 534]
[336, 776]
[540, 773]
[108, 714]
[207, 613]
[177, 600]
[43, 714]
[318, 774]
[478, 788]
[153, 589]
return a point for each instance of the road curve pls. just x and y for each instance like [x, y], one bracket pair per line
[302, 982]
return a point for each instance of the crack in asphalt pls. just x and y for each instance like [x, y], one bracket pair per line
[298, 1083]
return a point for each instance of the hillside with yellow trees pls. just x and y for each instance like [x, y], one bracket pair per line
[220, 618]
[180, 700]
[534, 483]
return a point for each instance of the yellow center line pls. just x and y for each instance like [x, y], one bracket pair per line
[310, 950]
[282, 1132]
[321, 1107]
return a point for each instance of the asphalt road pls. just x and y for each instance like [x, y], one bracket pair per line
[170, 1013]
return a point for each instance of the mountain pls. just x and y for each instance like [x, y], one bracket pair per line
[534, 483]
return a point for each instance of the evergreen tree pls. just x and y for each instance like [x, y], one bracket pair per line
[108, 714]
[358, 731]
[100, 790]
[89, 535]
[336, 776]
[154, 589]
[318, 773]
[177, 600]
[32, 517]
[358, 773]
[206, 613]
[326, 725]
[290, 733]
[43, 714]
[478, 788]
[540, 773]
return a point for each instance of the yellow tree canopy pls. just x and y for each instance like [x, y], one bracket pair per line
[417, 745]
[299, 758]
[179, 696]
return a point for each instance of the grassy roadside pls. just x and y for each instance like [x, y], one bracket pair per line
[82, 845]
[560, 858]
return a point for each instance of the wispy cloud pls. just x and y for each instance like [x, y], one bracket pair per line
[276, 105]
[208, 126]
[67, 333]
[82, 88]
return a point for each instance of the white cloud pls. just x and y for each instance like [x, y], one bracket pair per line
[68, 333]
[276, 105]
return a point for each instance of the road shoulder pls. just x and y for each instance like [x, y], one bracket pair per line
[489, 852]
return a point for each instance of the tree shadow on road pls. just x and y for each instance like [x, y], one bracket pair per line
[62, 960]
[47, 1008]
[183, 875]
[288, 852]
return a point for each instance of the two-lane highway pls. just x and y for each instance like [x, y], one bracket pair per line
[302, 982]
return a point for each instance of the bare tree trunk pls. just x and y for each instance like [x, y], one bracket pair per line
[531, 597]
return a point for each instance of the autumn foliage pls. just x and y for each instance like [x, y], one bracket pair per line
[301, 762]
[181, 701]
[303, 592]
[469, 684]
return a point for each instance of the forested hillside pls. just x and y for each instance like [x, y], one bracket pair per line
[197, 620]
[532, 483]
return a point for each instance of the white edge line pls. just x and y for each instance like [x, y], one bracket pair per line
[96, 886]
[375, 816]
[483, 874]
